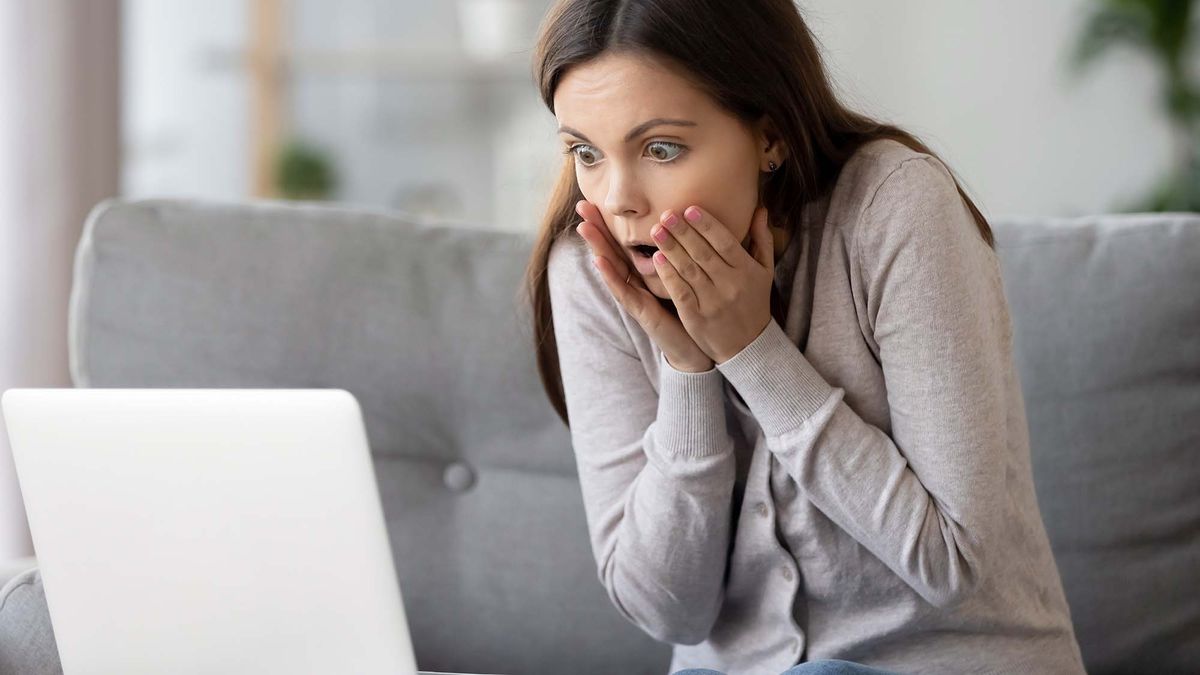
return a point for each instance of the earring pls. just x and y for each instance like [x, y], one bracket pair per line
[771, 166]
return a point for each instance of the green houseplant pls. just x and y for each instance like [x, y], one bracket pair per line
[1163, 30]
[303, 171]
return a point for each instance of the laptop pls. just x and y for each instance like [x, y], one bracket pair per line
[208, 531]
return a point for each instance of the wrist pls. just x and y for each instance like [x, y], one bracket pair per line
[686, 367]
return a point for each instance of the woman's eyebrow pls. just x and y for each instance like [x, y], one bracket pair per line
[636, 131]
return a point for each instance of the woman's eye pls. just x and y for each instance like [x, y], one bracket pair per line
[583, 153]
[659, 151]
[664, 151]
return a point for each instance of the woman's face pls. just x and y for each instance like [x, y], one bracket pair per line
[634, 169]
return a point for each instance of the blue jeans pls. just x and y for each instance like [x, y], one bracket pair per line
[820, 667]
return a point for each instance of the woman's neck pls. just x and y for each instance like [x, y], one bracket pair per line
[780, 238]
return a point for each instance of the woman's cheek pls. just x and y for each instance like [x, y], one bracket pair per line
[586, 186]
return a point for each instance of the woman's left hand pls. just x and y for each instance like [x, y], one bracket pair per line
[721, 291]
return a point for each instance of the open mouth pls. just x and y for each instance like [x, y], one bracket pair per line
[644, 250]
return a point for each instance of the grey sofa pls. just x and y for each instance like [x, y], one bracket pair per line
[424, 324]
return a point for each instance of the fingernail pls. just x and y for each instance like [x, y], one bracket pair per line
[670, 220]
[658, 233]
[692, 213]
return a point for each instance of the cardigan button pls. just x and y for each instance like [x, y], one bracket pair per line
[762, 509]
[787, 573]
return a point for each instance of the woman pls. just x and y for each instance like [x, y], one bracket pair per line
[779, 334]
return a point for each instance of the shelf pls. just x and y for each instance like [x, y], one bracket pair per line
[415, 64]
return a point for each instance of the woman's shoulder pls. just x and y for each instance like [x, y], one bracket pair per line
[875, 163]
[566, 249]
[906, 212]
[886, 178]
[569, 263]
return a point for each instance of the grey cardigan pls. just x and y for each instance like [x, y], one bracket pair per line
[855, 484]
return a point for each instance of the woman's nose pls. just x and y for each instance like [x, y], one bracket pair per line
[624, 198]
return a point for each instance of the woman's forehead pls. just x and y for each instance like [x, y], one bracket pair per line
[640, 85]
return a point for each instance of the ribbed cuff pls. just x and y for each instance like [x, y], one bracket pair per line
[779, 385]
[691, 412]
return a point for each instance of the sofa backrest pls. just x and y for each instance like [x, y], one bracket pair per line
[424, 324]
[1106, 323]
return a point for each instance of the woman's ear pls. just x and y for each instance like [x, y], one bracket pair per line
[771, 145]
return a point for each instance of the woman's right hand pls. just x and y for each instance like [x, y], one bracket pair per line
[665, 329]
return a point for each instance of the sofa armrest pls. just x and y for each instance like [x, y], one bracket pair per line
[11, 568]
[27, 645]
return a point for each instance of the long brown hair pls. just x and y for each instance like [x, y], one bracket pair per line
[753, 57]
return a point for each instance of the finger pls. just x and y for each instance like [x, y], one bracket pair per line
[680, 289]
[685, 266]
[643, 306]
[623, 292]
[684, 238]
[589, 212]
[702, 232]
[601, 247]
[663, 327]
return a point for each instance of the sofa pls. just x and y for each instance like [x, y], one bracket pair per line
[426, 325]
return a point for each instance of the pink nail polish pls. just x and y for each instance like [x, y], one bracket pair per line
[670, 220]
[692, 213]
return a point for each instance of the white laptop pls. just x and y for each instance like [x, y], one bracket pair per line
[208, 531]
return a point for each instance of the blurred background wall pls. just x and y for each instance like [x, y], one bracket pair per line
[428, 107]
[59, 155]
[419, 111]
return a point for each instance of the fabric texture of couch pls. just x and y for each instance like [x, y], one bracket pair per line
[425, 325]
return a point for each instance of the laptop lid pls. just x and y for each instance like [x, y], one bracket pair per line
[208, 531]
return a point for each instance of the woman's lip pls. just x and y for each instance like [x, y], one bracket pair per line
[644, 265]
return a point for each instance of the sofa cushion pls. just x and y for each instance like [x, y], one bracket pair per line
[1106, 316]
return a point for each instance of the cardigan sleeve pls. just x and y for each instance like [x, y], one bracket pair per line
[656, 469]
[927, 497]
